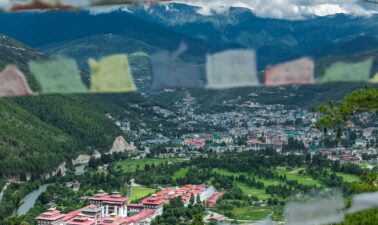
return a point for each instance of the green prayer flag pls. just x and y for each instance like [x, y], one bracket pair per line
[348, 72]
[58, 75]
[111, 74]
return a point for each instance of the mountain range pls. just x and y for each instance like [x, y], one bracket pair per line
[165, 26]
[36, 129]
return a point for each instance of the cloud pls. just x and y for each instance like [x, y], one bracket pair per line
[4, 3]
[278, 9]
[287, 9]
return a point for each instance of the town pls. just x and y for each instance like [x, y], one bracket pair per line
[251, 126]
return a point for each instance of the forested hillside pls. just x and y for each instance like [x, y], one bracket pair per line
[38, 133]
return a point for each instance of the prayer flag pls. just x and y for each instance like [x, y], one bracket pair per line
[299, 71]
[231, 69]
[58, 75]
[111, 74]
[13, 83]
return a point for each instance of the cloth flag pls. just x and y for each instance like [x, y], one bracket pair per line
[111, 74]
[315, 212]
[58, 75]
[122, 2]
[363, 202]
[40, 5]
[13, 83]
[232, 69]
[348, 72]
[169, 73]
[299, 71]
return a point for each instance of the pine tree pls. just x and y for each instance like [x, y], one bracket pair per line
[198, 220]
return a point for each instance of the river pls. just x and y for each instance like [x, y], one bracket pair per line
[30, 199]
[2, 191]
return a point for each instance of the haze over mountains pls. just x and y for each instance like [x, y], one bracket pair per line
[77, 122]
[140, 30]
[164, 27]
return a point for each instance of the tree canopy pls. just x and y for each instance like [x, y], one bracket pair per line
[335, 115]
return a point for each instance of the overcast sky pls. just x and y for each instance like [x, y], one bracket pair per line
[288, 9]
[280, 9]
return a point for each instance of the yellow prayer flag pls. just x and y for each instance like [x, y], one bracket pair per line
[111, 74]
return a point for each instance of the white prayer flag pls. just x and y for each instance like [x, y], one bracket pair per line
[315, 212]
[363, 202]
[232, 69]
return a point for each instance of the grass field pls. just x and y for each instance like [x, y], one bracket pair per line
[349, 177]
[267, 182]
[260, 193]
[132, 165]
[180, 173]
[138, 192]
[292, 174]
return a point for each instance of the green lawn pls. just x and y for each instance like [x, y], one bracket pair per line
[131, 165]
[260, 193]
[292, 174]
[180, 173]
[140, 192]
[267, 182]
[349, 177]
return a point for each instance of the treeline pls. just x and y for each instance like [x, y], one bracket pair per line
[39, 133]
[176, 213]
[294, 145]
[14, 191]
[153, 174]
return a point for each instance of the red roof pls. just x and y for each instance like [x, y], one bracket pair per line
[112, 221]
[50, 216]
[186, 197]
[165, 191]
[127, 221]
[109, 198]
[174, 195]
[141, 215]
[72, 214]
[214, 198]
[82, 220]
[153, 201]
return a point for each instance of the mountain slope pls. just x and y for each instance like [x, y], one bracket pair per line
[53, 27]
[276, 40]
[165, 26]
[38, 133]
